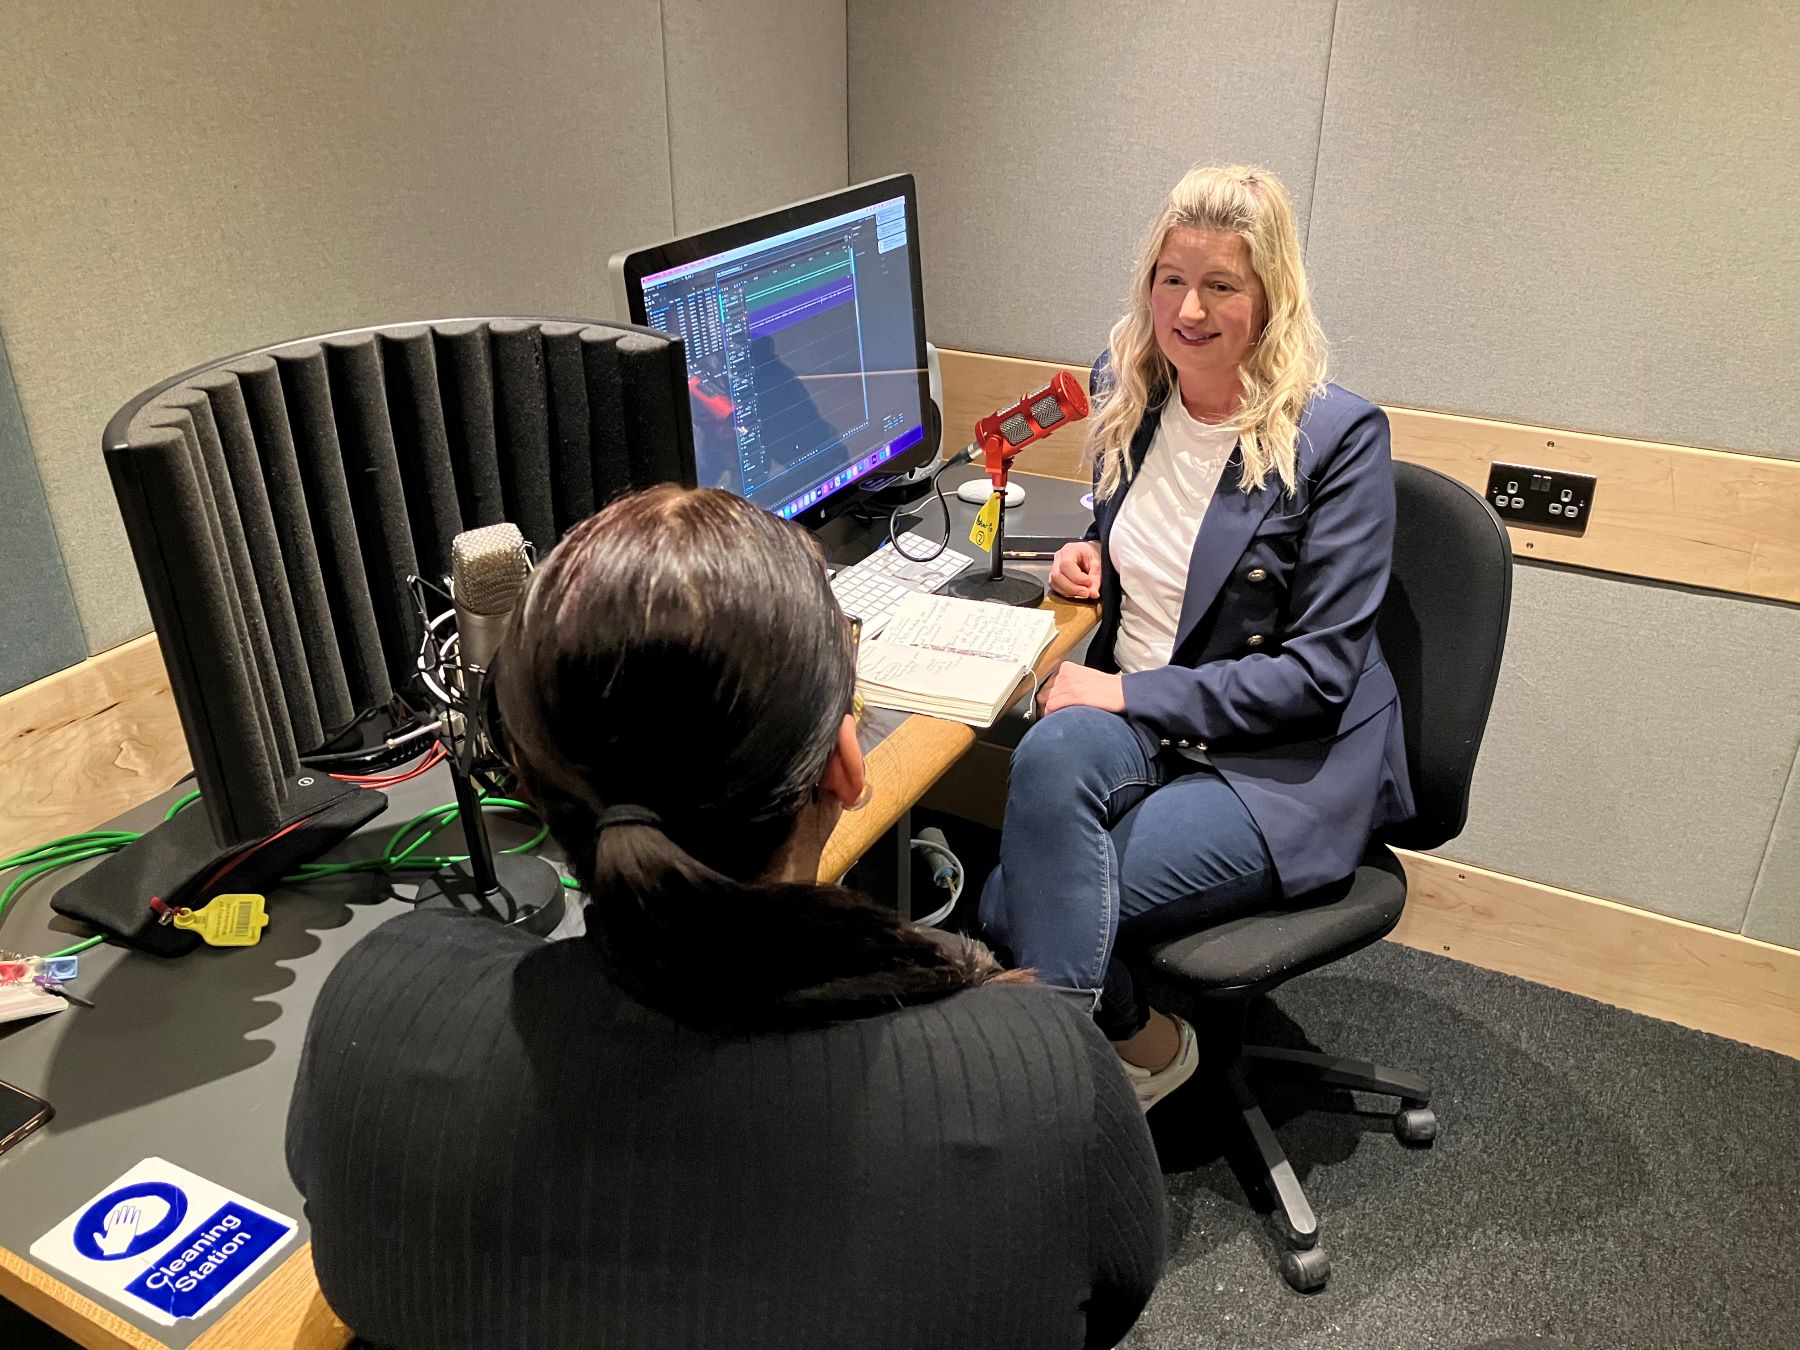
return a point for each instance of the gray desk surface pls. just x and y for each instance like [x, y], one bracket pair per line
[193, 1059]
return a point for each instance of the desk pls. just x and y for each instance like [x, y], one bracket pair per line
[193, 1060]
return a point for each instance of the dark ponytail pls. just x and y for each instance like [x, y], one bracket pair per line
[672, 691]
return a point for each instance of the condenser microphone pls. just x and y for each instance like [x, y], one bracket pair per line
[488, 568]
[1001, 435]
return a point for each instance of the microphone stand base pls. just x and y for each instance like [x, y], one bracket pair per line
[1009, 588]
[528, 896]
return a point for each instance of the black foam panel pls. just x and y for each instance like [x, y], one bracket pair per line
[571, 459]
[266, 399]
[522, 425]
[277, 500]
[422, 444]
[168, 521]
[658, 425]
[237, 439]
[377, 499]
[466, 373]
[606, 416]
[320, 449]
[191, 415]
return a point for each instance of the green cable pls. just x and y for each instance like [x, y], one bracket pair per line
[396, 859]
[69, 843]
[19, 881]
[180, 802]
[389, 859]
[77, 947]
[440, 816]
[445, 815]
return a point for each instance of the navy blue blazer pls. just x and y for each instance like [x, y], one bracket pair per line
[1277, 673]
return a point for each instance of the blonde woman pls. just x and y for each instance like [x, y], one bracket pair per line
[1233, 738]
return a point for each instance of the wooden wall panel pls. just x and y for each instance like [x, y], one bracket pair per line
[1681, 972]
[1709, 518]
[87, 743]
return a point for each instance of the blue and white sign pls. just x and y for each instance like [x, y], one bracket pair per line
[165, 1243]
[130, 1220]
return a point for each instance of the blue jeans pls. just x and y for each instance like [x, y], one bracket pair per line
[1106, 849]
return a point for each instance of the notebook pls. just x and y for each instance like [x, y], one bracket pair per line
[958, 659]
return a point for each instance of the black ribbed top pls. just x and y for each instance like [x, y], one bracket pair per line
[499, 1148]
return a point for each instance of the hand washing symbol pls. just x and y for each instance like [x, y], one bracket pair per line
[126, 1220]
[121, 1228]
[129, 1221]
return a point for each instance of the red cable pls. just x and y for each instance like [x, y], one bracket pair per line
[435, 756]
[238, 859]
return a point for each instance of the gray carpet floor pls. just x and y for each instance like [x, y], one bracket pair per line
[1601, 1180]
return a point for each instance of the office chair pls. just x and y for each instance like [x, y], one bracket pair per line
[1442, 628]
[276, 502]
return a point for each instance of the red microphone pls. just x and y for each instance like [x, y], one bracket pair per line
[1002, 434]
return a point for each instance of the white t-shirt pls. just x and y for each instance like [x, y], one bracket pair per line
[1153, 539]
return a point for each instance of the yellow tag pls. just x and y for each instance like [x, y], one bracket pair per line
[227, 920]
[987, 521]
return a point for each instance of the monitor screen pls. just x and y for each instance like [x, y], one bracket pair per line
[805, 339]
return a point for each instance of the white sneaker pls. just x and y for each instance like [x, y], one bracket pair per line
[1153, 1085]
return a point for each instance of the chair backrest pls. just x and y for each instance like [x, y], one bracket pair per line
[277, 500]
[1443, 629]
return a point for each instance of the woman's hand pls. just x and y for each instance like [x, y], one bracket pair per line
[1075, 573]
[1071, 685]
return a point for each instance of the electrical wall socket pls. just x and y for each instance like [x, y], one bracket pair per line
[1541, 499]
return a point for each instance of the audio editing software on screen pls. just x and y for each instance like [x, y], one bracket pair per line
[800, 356]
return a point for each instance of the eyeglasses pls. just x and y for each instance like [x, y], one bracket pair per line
[853, 626]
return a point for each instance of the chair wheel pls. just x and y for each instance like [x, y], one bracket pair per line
[1415, 1125]
[1306, 1271]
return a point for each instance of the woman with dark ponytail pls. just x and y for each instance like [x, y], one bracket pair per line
[678, 702]
[746, 1108]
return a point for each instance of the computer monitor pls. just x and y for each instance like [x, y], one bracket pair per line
[805, 338]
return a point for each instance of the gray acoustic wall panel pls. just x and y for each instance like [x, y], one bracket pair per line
[1575, 214]
[184, 180]
[1639, 743]
[756, 105]
[1044, 138]
[36, 605]
[1775, 903]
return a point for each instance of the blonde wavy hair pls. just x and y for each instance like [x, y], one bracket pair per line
[1284, 369]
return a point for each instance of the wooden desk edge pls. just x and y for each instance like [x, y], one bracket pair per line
[74, 1314]
[285, 1311]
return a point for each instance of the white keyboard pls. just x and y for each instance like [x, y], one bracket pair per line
[872, 588]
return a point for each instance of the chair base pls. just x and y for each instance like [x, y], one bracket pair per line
[1305, 1265]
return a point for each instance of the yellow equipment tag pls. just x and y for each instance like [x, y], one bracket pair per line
[987, 523]
[227, 920]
